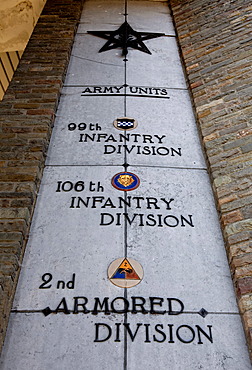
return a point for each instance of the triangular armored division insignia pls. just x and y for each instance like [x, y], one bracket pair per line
[125, 271]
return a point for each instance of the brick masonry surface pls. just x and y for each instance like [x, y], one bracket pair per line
[214, 38]
[215, 43]
[26, 121]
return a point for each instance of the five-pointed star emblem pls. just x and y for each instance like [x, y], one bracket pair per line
[125, 37]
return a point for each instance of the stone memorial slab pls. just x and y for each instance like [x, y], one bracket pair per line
[187, 341]
[162, 68]
[171, 138]
[66, 237]
[95, 218]
[165, 219]
[85, 67]
[97, 17]
[144, 20]
[99, 341]
[83, 128]
[164, 228]
[84, 122]
[59, 342]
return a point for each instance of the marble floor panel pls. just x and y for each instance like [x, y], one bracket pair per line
[69, 235]
[88, 66]
[173, 232]
[187, 342]
[155, 18]
[162, 68]
[83, 129]
[167, 132]
[97, 17]
[60, 342]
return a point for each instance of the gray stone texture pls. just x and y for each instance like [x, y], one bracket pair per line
[171, 136]
[49, 349]
[178, 259]
[69, 339]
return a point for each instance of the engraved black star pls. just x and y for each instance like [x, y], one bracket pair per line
[125, 37]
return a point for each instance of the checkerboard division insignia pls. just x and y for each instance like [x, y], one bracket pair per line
[125, 123]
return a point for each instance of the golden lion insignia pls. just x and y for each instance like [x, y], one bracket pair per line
[125, 180]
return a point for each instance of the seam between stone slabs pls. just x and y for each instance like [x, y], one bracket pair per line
[144, 96]
[125, 293]
[86, 33]
[161, 87]
[95, 61]
[135, 96]
[174, 167]
[137, 313]
[130, 165]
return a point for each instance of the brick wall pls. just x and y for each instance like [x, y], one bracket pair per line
[26, 120]
[215, 42]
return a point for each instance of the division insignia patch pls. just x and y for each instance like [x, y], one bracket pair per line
[125, 272]
[125, 181]
[125, 123]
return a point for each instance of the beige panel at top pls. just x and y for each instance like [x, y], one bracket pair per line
[17, 21]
